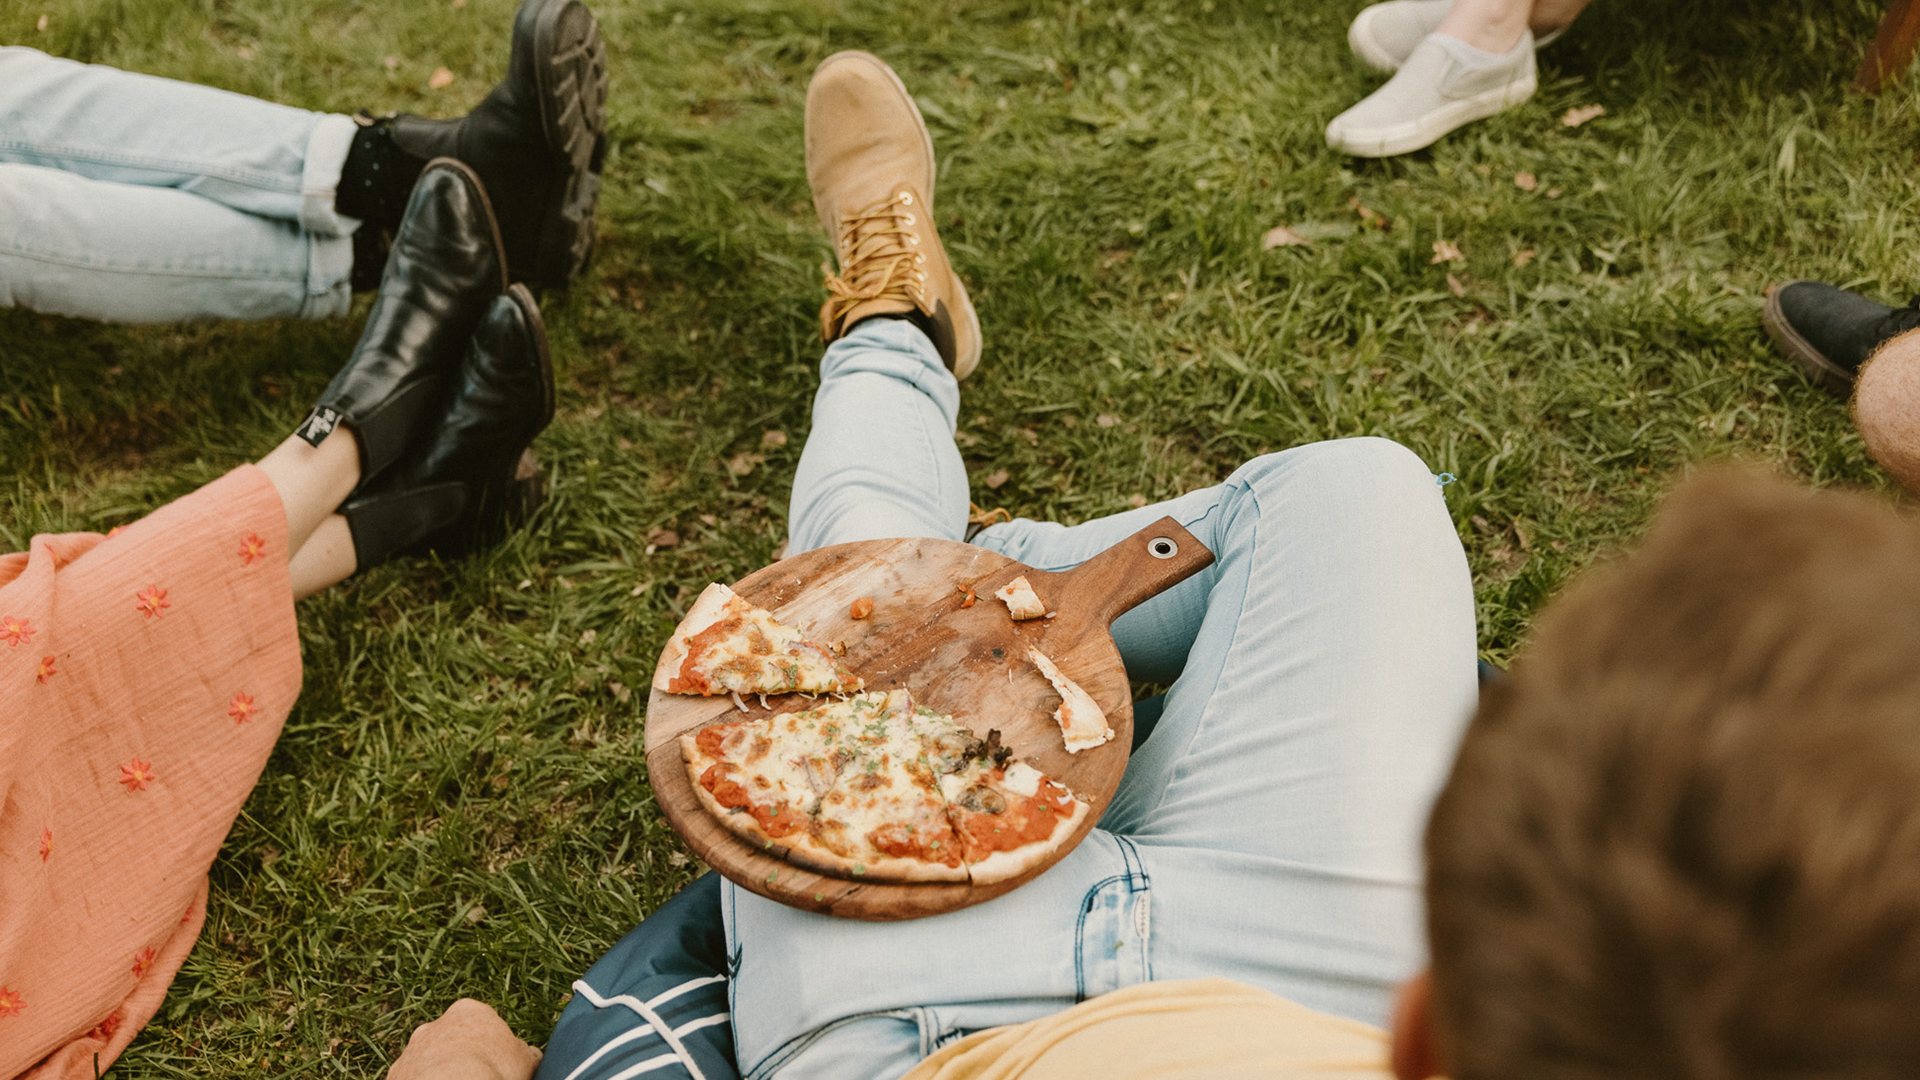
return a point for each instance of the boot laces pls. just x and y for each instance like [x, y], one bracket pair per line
[880, 258]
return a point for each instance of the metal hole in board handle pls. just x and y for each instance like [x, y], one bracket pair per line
[1162, 547]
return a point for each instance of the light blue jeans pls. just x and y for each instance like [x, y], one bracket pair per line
[131, 198]
[1268, 831]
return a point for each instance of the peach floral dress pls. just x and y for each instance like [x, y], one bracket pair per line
[144, 677]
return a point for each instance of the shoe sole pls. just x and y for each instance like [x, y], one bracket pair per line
[964, 363]
[571, 76]
[1438, 124]
[1829, 375]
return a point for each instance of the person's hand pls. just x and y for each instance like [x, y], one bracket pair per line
[468, 1042]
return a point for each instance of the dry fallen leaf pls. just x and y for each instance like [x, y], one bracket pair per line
[999, 478]
[623, 443]
[662, 538]
[1106, 420]
[1445, 251]
[1136, 500]
[1371, 217]
[1456, 286]
[1524, 256]
[1553, 193]
[1281, 236]
[773, 438]
[1575, 117]
[41, 25]
[743, 462]
[392, 63]
[709, 519]
[440, 79]
[1525, 181]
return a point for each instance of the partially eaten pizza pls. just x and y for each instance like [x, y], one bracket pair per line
[876, 788]
[726, 645]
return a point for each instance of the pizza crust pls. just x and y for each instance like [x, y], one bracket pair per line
[1083, 725]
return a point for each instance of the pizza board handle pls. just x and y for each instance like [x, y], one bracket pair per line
[1125, 575]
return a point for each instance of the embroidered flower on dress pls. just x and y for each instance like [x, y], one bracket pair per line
[241, 708]
[251, 548]
[47, 670]
[11, 1003]
[46, 844]
[143, 962]
[136, 774]
[153, 603]
[104, 1029]
[16, 631]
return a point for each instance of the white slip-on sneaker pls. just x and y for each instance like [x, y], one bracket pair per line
[1443, 85]
[1384, 35]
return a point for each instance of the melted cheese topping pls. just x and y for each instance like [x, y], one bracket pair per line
[726, 645]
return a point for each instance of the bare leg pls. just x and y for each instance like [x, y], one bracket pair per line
[1495, 25]
[313, 481]
[325, 559]
[1886, 408]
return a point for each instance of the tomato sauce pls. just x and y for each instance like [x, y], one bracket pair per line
[777, 820]
[690, 680]
[1027, 819]
[928, 842]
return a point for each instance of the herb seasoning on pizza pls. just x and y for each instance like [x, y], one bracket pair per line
[873, 788]
[726, 645]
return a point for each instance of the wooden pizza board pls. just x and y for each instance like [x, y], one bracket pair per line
[970, 662]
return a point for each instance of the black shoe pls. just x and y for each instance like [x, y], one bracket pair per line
[471, 476]
[445, 266]
[538, 141]
[1831, 331]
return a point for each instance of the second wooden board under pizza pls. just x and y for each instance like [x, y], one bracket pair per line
[875, 788]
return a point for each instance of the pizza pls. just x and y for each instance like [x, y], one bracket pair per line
[1083, 724]
[877, 788]
[727, 645]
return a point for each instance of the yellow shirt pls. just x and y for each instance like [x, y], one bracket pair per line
[1200, 1029]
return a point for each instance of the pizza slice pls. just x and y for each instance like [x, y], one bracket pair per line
[1082, 722]
[1010, 818]
[762, 778]
[884, 818]
[727, 645]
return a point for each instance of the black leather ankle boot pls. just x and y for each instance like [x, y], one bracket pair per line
[538, 140]
[443, 270]
[470, 477]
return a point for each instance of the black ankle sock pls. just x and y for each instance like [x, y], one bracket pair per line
[377, 178]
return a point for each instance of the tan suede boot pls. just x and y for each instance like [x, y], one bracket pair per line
[870, 163]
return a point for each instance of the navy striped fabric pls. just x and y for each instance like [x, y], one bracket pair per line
[656, 1005]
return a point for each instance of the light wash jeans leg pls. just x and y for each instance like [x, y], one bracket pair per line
[1268, 830]
[881, 461]
[1326, 669]
[95, 168]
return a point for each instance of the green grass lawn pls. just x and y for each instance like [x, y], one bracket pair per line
[459, 805]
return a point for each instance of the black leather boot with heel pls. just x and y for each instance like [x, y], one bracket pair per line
[445, 267]
[470, 476]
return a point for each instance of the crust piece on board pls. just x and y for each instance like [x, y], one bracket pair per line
[1082, 723]
[1022, 602]
[758, 641]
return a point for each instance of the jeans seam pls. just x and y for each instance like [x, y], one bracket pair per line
[210, 275]
[797, 1045]
[1160, 796]
[247, 178]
